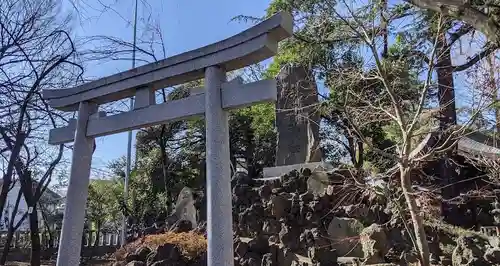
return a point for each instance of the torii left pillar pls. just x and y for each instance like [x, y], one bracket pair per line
[70, 242]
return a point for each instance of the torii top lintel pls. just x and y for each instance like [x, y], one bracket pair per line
[248, 47]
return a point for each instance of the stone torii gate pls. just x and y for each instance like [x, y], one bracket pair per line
[211, 62]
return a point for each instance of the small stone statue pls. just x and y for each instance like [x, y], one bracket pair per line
[184, 208]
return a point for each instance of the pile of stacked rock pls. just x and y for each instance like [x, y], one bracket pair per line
[293, 220]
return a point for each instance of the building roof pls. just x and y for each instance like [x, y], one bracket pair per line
[48, 191]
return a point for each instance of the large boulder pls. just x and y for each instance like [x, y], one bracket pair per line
[374, 243]
[344, 235]
[142, 253]
[265, 191]
[251, 259]
[259, 245]
[286, 257]
[271, 227]
[289, 237]
[241, 249]
[322, 255]
[168, 252]
[280, 206]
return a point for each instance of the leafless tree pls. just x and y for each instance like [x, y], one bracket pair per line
[382, 92]
[36, 53]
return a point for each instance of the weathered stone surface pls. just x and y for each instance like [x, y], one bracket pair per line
[374, 243]
[313, 237]
[259, 245]
[241, 249]
[151, 258]
[467, 253]
[184, 207]
[142, 253]
[306, 197]
[167, 263]
[274, 239]
[356, 212]
[136, 263]
[289, 237]
[344, 233]
[297, 119]
[286, 257]
[253, 262]
[271, 227]
[280, 206]
[265, 191]
[251, 259]
[241, 178]
[132, 257]
[201, 228]
[167, 252]
[318, 182]
[322, 256]
[409, 257]
[268, 260]
[182, 226]
[492, 255]
[200, 261]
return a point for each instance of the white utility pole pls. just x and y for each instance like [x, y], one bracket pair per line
[129, 143]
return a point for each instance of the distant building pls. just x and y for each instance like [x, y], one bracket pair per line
[52, 204]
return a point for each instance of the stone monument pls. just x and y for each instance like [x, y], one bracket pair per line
[297, 117]
[297, 123]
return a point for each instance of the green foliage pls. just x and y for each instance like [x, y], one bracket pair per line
[278, 5]
[263, 117]
[103, 208]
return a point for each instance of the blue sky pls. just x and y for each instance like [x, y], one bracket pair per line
[185, 25]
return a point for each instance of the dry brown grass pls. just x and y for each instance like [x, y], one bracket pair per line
[190, 244]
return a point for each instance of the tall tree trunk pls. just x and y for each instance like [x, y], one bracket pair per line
[6, 247]
[359, 154]
[495, 98]
[50, 243]
[97, 233]
[35, 237]
[416, 218]
[356, 151]
[11, 229]
[383, 25]
[26, 182]
[164, 160]
[3, 193]
[446, 89]
[164, 167]
[447, 119]
[14, 156]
